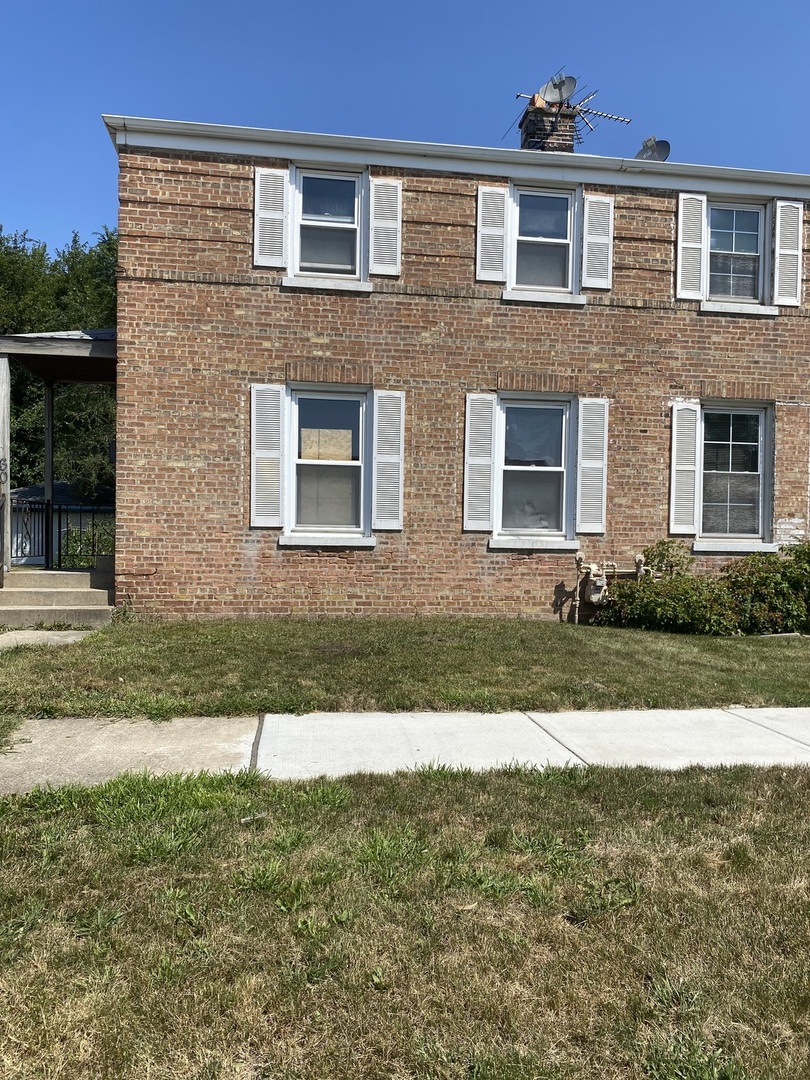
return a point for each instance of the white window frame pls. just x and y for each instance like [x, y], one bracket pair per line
[686, 492]
[571, 285]
[780, 254]
[568, 450]
[763, 253]
[585, 449]
[274, 463]
[293, 461]
[360, 181]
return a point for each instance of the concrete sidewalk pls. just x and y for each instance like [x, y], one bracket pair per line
[53, 752]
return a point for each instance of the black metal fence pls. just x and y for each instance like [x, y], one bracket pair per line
[60, 535]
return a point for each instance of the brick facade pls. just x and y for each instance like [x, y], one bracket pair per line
[199, 323]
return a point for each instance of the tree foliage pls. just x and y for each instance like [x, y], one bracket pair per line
[73, 290]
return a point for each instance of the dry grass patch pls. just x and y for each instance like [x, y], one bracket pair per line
[441, 924]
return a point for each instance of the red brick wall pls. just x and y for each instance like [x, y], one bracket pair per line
[198, 323]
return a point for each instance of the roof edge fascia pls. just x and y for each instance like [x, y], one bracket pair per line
[311, 148]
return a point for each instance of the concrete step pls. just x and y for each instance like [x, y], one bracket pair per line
[11, 597]
[49, 579]
[19, 618]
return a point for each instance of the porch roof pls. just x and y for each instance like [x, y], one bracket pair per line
[77, 356]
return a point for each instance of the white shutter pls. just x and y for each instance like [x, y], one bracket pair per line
[691, 246]
[270, 217]
[597, 242]
[386, 227]
[490, 261]
[684, 484]
[787, 276]
[592, 446]
[479, 464]
[266, 434]
[389, 452]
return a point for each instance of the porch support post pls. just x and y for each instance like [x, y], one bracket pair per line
[5, 459]
[48, 473]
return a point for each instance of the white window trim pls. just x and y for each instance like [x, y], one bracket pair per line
[274, 434]
[694, 242]
[564, 294]
[360, 181]
[717, 543]
[584, 463]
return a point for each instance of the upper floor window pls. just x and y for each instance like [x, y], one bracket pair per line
[544, 245]
[329, 229]
[739, 256]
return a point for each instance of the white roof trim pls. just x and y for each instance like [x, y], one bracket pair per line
[529, 165]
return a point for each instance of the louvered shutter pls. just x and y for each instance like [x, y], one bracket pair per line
[479, 464]
[684, 483]
[389, 451]
[270, 217]
[490, 262]
[597, 242]
[691, 246]
[787, 277]
[386, 227]
[267, 433]
[592, 445]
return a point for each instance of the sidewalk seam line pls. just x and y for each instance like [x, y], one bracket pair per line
[554, 738]
[765, 727]
[257, 738]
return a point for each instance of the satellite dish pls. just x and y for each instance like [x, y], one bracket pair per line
[654, 149]
[559, 89]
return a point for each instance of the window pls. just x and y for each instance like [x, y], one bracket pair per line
[544, 245]
[535, 469]
[326, 464]
[720, 479]
[725, 254]
[328, 229]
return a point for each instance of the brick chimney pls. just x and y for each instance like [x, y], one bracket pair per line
[548, 127]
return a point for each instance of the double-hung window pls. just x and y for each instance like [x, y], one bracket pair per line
[327, 228]
[535, 469]
[544, 245]
[743, 257]
[720, 488]
[326, 463]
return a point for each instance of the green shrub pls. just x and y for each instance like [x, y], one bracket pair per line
[680, 604]
[668, 557]
[770, 592]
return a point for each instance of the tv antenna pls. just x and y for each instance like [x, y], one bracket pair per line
[556, 96]
[653, 149]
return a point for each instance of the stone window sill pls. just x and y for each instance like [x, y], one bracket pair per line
[532, 543]
[732, 547]
[536, 296]
[329, 283]
[759, 310]
[331, 540]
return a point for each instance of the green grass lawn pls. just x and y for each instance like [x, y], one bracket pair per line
[563, 924]
[241, 667]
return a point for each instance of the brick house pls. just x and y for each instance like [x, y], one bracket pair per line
[373, 376]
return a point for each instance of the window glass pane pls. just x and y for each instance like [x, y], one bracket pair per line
[328, 429]
[745, 427]
[544, 216]
[720, 219]
[332, 250]
[532, 500]
[328, 496]
[734, 276]
[731, 504]
[745, 458]
[746, 221]
[533, 436]
[542, 264]
[324, 196]
[716, 426]
[716, 457]
[721, 241]
[745, 242]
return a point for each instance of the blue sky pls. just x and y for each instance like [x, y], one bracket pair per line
[726, 84]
